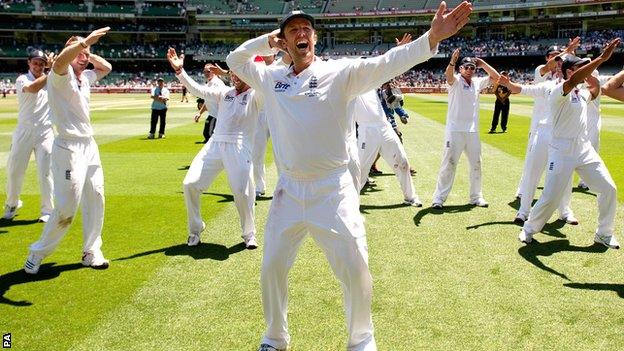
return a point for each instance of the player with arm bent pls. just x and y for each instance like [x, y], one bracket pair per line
[315, 193]
[76, 166]
[462, 127]
[571, 150]
[229, 148]
[33, 134]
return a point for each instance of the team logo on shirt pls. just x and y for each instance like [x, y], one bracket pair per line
[68, 174]
[551, 166]
[281, 87]
[313, 85]
[229, 98]
[244, 100]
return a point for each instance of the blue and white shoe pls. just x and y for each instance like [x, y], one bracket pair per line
[33, 262]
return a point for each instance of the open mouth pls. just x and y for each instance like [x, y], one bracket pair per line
[302, 45]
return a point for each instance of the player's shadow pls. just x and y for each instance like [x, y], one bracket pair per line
[446, 209]
[476, 226]
[184, 168]
[583, 191]
[552, 229]
[47, 271]
[202, 251]
[4, 223]
[617, 288]
[515, 204]
[533, 251]
[225, 197]
[365, 208]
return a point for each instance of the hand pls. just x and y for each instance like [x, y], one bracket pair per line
[96, 35]
[275, 41]
[573, 44]
[215, 69]
[407, 38]
[197, 117]
[478, 62]
[49, 60]
[444, 26]
[176, 62]
[608, 50]
[504, 81]
[455, 56]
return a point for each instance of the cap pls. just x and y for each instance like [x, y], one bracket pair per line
[570, 61]
[36, 54]
[553, 50]
[468, 61]
[160, 79]
[291, 16]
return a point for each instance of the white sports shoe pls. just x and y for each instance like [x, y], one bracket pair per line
[525, 237]
[520, 219]
[480, 202]
[582, 185]
[194, 239]
[10, 211]
[570, 219]
[33, 262]
[413, 202]
[267, 347]
[44, 218]
[607, 240]
[260, 193]
[250, 242]
[94, 259]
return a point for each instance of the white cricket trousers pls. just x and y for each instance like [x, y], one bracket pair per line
[215, 156]
[261, 139]
[26, 140]
[78, 180]
[327, 208]
[534, 165]
[455, 144]
[374, 139]
[354, 164]
[564, 157]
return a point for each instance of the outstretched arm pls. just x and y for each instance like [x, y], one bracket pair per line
[70, 52]
[582, 73]
[493, 73]
[450, 68]
[209, 94]
[614, 87]
[514, 88]
[446, 25]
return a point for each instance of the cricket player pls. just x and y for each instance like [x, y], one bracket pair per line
[309, 124]
[229, 148]
[33, 134]
[375, 135]
[462, 127]
[76, 166]
[212, 80]
[160, 96]
[570, 150]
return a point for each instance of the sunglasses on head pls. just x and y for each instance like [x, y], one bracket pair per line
[470, 67]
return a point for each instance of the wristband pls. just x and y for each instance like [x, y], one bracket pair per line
[83, 44]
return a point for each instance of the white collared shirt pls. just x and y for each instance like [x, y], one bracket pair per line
[69, 102]
[308, 120]
[215, 82]
[33, 108]
[463, 104]
[237, 114]
[569, 112]
[366, 109]
[541, 111]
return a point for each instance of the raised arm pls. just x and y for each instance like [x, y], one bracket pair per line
[446, 25]
[585, 71]
[70, 52]
[240, 60]
[614, 87]
[40, 82]
[209, 94]
[450, 68]
[100, 65]
[514, 88]
[493, 73]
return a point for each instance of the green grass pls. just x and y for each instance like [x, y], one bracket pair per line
[452, 281]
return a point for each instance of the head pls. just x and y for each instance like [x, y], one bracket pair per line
[299, 36]
[36, 62]
[208, 73]
[571, 64]
[552, 52]
[467, 68]
[80, 62]
[200, 103]
[238, 83]
[160, 82]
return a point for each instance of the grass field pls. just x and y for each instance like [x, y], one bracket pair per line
[457, 280]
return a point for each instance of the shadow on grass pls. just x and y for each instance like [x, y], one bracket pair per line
[446, 209]
[202, 251]
[15, 222]
[534, 250]
[552, 229]
[476, 226]
[618, 288]
[184, 168]
[47, 271]
[365, 208]
[225, 197]
[583, 191]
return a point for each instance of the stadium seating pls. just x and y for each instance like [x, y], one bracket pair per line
[341, 6]
[16, 7]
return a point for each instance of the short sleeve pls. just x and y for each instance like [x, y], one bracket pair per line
[457, 78]
[20, 83]
[483, 82]
[57, 80]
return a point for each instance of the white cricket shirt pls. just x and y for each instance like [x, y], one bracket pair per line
[215, 82]
[33, 108]
[367, 110]
[237, 114]
[569, 112]
[540, 103]
[463, 104]
[69, 103]
[309, 119]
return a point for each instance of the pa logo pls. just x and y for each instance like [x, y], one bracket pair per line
[551, 166]
[6, 341]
